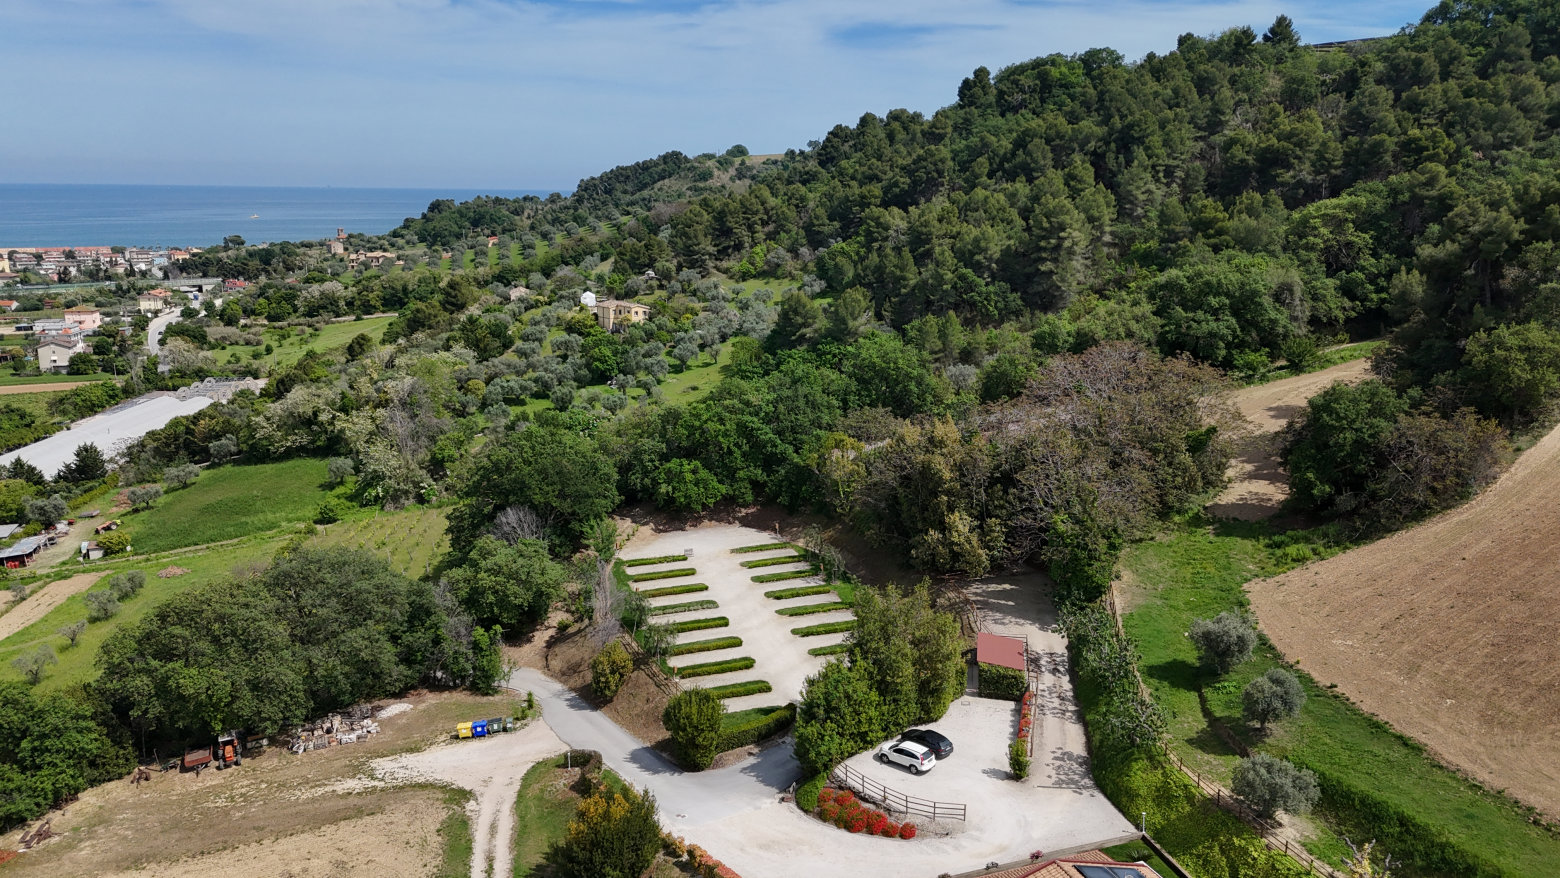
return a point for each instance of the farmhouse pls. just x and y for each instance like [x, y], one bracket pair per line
[614, 314]
[54, 353]
[153, 302]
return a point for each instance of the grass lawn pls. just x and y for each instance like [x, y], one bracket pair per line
[1197, 571]
[14, 381]
[229, 502]
[1137, 852]
[455, 832]
[412, 540]
[76, 663]
[288, 347]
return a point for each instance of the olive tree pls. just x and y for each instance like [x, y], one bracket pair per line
[144, 495]
[182, 475]
[31, 664]
[1269, 785]
[1274, 695]
[1224, 641]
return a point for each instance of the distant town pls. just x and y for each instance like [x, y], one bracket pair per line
[85, 263]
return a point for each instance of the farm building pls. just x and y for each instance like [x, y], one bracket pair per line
[22, 554]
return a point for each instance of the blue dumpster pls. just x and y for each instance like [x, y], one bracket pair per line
[479, 728]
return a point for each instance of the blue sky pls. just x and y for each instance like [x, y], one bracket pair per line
[521, 94]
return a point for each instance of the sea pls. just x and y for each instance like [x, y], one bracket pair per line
[66, 215]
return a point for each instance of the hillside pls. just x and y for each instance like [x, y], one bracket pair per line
[1440, 630]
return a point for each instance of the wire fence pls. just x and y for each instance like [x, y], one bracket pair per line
[870, 790]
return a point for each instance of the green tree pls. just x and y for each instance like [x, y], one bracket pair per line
[31, 664]
[1332, 448]
[840, 715]
[143, 496]
[560, 474]
[693, 719]
[87, 465]
[1223, 642]
[799, 321]
[1276, 694]
[609, 670]
[47, 510]
[512, 585]
[487, 660]
[82, 364]
[910, 650]
[612, 835]
[181, 475]
[339, 469]
[1516, 366]
[687, 486]
[1269, 785]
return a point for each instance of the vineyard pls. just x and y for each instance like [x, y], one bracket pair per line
[411, 540]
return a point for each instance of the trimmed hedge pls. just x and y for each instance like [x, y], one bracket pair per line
[807, 792]
[800, 591]
[825, 628]
[699, 624]
[763, 727]
[772, 562]
[706, 645]
[707, 668]
[662, 574]
[663, 559]
[787, 574]
[810, 609]
[669, 590]
[737, 690]
[831, 649]
[683, 607]
[999, 682]
[762, 547]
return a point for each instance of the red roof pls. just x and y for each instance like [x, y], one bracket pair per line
[999, 650]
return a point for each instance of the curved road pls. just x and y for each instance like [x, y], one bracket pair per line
[154, 331]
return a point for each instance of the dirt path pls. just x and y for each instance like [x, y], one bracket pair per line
[44, 600]
[1446, 630]
[492, 769]
[40, 388]
[1258, 484]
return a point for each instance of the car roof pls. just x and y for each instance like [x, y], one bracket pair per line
[913, 747]
[929, 735]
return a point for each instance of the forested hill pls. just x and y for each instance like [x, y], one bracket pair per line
[1237, 197]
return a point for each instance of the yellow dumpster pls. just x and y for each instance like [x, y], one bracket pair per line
[463, 730]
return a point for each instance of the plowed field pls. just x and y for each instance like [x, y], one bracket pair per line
[1448, 630]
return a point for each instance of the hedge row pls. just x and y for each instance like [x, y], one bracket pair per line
[683, 607]
[763, 547]
[766, 726]
[737, 690]
[669, 590]
[999, 682]
[787, 574]
[810, 609]
[706, 645]
[807, 793]
[771, 562]
[707, 668]
[699, 624]
[831, 649]
[662, 574]
[663, 559]
[800, 591]
[825, 628]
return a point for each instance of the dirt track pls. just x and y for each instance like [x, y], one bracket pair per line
[1446, 631]
[1258, 485]
[44, 600]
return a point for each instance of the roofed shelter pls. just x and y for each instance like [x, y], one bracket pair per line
[1001, 663]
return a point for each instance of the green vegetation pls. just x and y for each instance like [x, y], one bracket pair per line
[455, 832]
[1374, 781]
[666, 609]
[787, 574]
[772, 562]
[662, 574]
[737, 690]
[693, 719]
[543, 809]
[231, 502]
[801, 591]
[288, 345]
[810, 609]
[1326, 359]
[705, 645]
[409, 540]
[707, 668]
[609, 669]
[763, 547]
[639, 562]
[746, 727]
[1137, 852]
[669, 590]
[699, 624]
[825, 628]
[831, 649]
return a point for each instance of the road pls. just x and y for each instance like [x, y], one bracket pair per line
[154, 333]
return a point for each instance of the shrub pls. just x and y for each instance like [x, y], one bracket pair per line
[831, 649]
[758, 729]
[699, 624]
[800, 591]
[693, 718]
[663, 574]
[101, 605]
[706, 645]
[737, 690]
[841, 714]
[1018, 760]
[611, 834]
[686, 606]
[1269, 785]
[115, 542]
[812, 793]
[1276, 694]
[1005, 683]
[762, 547]
[907, 831]
[708, 668]
[825, 628]
[124, 586]
[787, 574]
[1224, 641]
[662, 559]
[811, 609]
[669, 590]
[774, 562]
[609, 669]
[331, 510]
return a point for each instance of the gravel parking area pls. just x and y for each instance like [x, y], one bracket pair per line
[780, 657]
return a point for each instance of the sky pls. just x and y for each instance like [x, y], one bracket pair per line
[523, 94]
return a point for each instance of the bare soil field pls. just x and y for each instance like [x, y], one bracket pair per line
[1446, 630]
[277, 814]
[9, 389]
[1258, 484]
[42, 601]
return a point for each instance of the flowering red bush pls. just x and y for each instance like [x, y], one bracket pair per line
[843, 796]
[907, 831]
[826, 795]
[829, 811]
[875, 821]
[857, 823]
[889, 829]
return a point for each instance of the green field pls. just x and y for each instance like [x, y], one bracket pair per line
[36, 403]
[287, 346]
[411, 540]
[1197, 572]
[230, 502]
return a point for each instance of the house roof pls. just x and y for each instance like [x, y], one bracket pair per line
[1000, 650]
[1095, 864]
[22, 548]
[7, 529]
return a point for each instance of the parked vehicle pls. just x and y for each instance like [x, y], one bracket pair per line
[915, 757]
[940, 746]
[226, 752]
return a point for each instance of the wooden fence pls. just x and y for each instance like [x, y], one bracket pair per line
[871, 791]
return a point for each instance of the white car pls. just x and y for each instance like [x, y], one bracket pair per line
[916, 757]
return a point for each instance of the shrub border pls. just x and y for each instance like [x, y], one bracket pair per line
[660, 559]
